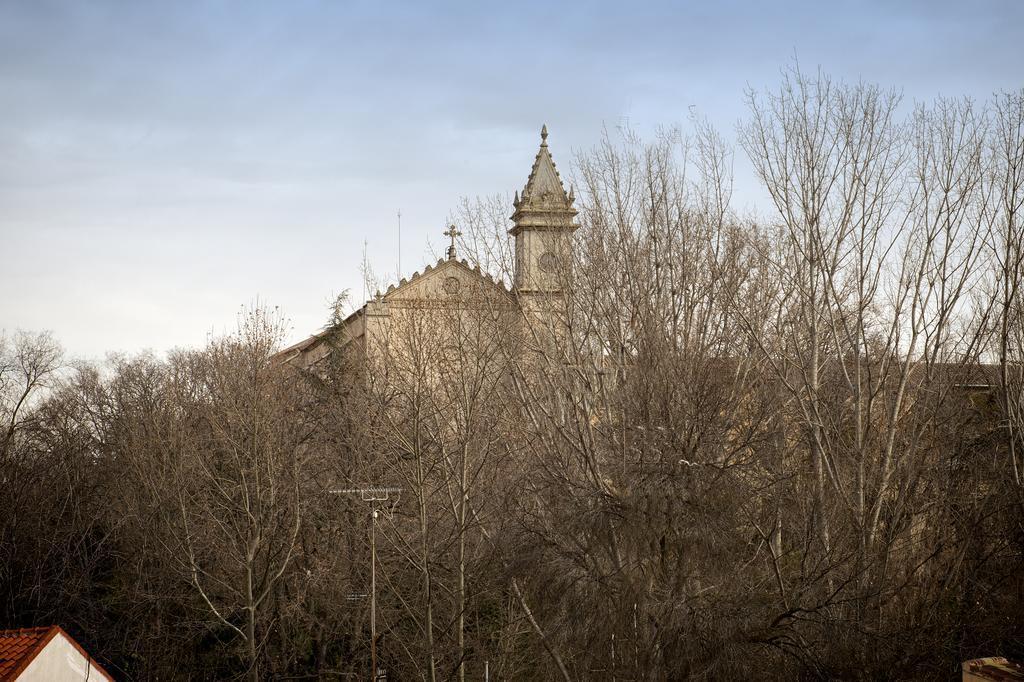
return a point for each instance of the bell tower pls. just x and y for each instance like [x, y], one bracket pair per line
[542, 227]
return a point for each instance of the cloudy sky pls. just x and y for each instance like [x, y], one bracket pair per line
[162, 164]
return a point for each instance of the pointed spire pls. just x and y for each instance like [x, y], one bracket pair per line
[544, 201]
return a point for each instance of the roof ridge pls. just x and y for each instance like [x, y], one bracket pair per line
[473, 267]
[36, 628]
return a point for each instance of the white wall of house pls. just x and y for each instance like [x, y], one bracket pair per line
[60, 661]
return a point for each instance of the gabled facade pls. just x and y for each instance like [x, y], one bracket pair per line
[543, 223]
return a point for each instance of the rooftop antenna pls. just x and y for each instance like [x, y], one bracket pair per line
[366, 273]
[399, 244]
[374, 495]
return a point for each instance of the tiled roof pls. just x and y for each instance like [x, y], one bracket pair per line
[18, 646]
[993, 668]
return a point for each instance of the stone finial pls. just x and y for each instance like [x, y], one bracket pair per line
[544, 135]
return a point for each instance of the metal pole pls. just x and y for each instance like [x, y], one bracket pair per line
[372, 495]
[373, 594]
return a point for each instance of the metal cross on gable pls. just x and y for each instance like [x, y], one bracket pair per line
[452, 233]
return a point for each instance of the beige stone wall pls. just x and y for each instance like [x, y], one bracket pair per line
[436, 326]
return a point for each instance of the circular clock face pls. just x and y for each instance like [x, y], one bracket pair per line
[451, 285]
[548, 262]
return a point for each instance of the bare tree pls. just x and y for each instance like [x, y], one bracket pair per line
[221, 455]
[28, 364]
[435, 375]
[709, 445]
[1008, 240]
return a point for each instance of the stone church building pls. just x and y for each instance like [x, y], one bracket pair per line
[542, 226]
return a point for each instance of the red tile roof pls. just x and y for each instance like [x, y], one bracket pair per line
[993, 668]
[19, 647]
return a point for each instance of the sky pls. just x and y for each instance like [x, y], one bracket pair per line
[163, 164]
